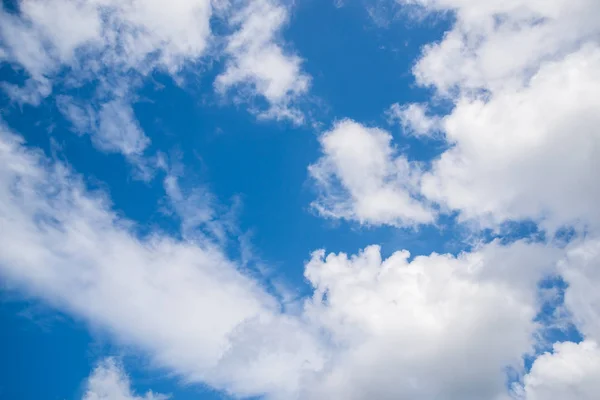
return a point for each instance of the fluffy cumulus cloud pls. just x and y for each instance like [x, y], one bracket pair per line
[523, 76]
[109, 381]
[497, 44]
[523, 79]
[522, 126]
[362, 177]
[570, 372]
[523, 166]
[422, 328]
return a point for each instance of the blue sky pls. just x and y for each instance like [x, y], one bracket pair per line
[299, 200]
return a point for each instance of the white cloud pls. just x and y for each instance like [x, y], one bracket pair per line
[524, 145]
[530, 152]
[106, 34]
[497, 44]
[198, 210]
[523, 77]
[414, 119]
[187, 306]
[32, 92]
[115, 44]
[110, 43]
[257, 60]
[113, 128]
[581, 271]
[570, 372]
[195, 208]
[109, 381]
[115, 37]
[433, 327]
[184, 303]
[523, 135]
[118, 129]
[362, 178]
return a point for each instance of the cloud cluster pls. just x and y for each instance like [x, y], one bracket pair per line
[522, 141]
[528, 152]
[101, 39]
[521, 128]
[570, 372]
[499, 45]
[522, 144]
[523, 78]
[362, 177]
[423, 329]
[387, 327]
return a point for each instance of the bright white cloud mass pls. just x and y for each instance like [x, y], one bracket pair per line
[521, 143]
[363, 179]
